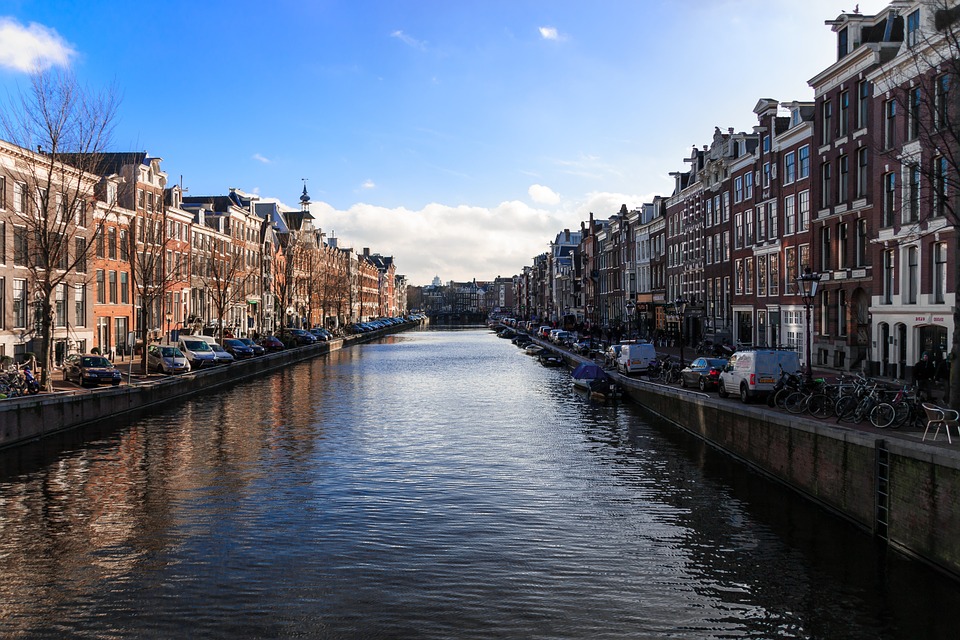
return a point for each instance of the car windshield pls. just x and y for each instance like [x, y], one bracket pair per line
[94, 361]
[170, 352]
[233, 343]
[247, 341]
[216, 347]
[196, 345]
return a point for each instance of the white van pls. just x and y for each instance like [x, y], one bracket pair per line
[754, 373]
[197, 350]
[636, 357]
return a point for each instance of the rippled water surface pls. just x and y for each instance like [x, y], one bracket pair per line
[438, 484]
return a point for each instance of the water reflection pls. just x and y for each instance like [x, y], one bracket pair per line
[436, 484]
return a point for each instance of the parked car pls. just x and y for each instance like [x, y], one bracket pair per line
[223, 356]
[271, 343]
[297, 337]
[237, 349]
[164, 358]
[258, 350]
[90, 369]
[753, 373]
[703, 373]
[198, 352]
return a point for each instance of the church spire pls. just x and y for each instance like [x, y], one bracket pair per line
[305, 199]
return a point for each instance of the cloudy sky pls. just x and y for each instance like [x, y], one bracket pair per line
[459, 137]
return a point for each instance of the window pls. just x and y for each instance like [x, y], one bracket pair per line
[863, 103]
[124, 246]
[790, 167]
[738, 189]
[101, 288]
[80, 247]
[766, 144]
[739, 283]
[942, 102]
[825, 249]
[3, 193]
[101, 250]
[20, 246]
[726, 206]
[824, 312]
[912, 213]
[761, 275]
[748, 268]
[738, 235]
[789, 215]
[804, 210]
[766, 175]
[112, 243]
[60, 305]
[20, 198]
[843, 253]
[790, 270]
[725, 246]
[863, 175]
[888, 262]
[842, 39]
[844, 112]
[913, 281]
[825, 195]
[124, 287]
[889, 198]
[804, 156]
[939, 272]
[3, 248]
[913, 128]
[939, 186]
[913, 28]
[748, 238]
[80, 303]
[774, 264]
[843, 183]
[841, 312]
[748, 185]
[889, 124]
[772, 230]
[19, 304]
[113, 287]
[861, 243]
[761, 223]
[140, 198]
[826, 118]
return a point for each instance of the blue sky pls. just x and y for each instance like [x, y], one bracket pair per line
[457, 136]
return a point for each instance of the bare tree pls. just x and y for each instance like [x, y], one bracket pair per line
[70, 127]
[152, 274]
[224, 274]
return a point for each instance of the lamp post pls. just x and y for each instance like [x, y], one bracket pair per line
[630, 309]
[680, 306]
[809, 282]
[168, 317]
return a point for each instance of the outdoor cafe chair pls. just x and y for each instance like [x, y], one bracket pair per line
[940, 417]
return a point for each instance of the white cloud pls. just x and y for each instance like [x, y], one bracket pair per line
[549, 33]
[408, 40]
[464, 242]
[260, 158]
[32, 48]
[368, 184]
[543, 195]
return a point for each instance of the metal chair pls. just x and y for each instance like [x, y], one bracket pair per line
[940, 417]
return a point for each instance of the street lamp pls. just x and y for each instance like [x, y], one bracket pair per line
[680, 306]
[630, 309]
[809, 282]
[169, 317]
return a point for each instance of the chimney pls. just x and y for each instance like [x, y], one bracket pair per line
[366, 252]
[566, 234]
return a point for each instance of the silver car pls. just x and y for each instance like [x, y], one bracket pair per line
[166, 359]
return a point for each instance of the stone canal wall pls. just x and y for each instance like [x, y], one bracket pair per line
[905, 491]
[29, 418]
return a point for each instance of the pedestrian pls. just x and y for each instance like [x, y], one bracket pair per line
[922, 372]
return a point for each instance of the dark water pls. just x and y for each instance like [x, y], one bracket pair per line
[437, 485]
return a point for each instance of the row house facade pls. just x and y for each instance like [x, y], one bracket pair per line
[857, 185]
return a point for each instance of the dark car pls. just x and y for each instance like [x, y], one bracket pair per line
[298, 337]
[271, 343]
[237, 349]
[703, 373]
[90, 369]
[257, 349]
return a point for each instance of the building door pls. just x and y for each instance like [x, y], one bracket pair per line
[885, 349]
[901, 330]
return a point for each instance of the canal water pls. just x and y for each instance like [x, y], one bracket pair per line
[436, 484]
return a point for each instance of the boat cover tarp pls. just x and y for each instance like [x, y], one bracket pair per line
[589, 371]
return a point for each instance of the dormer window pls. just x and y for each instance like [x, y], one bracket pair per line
[913, 28]
[795, 117]
[842, 40]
